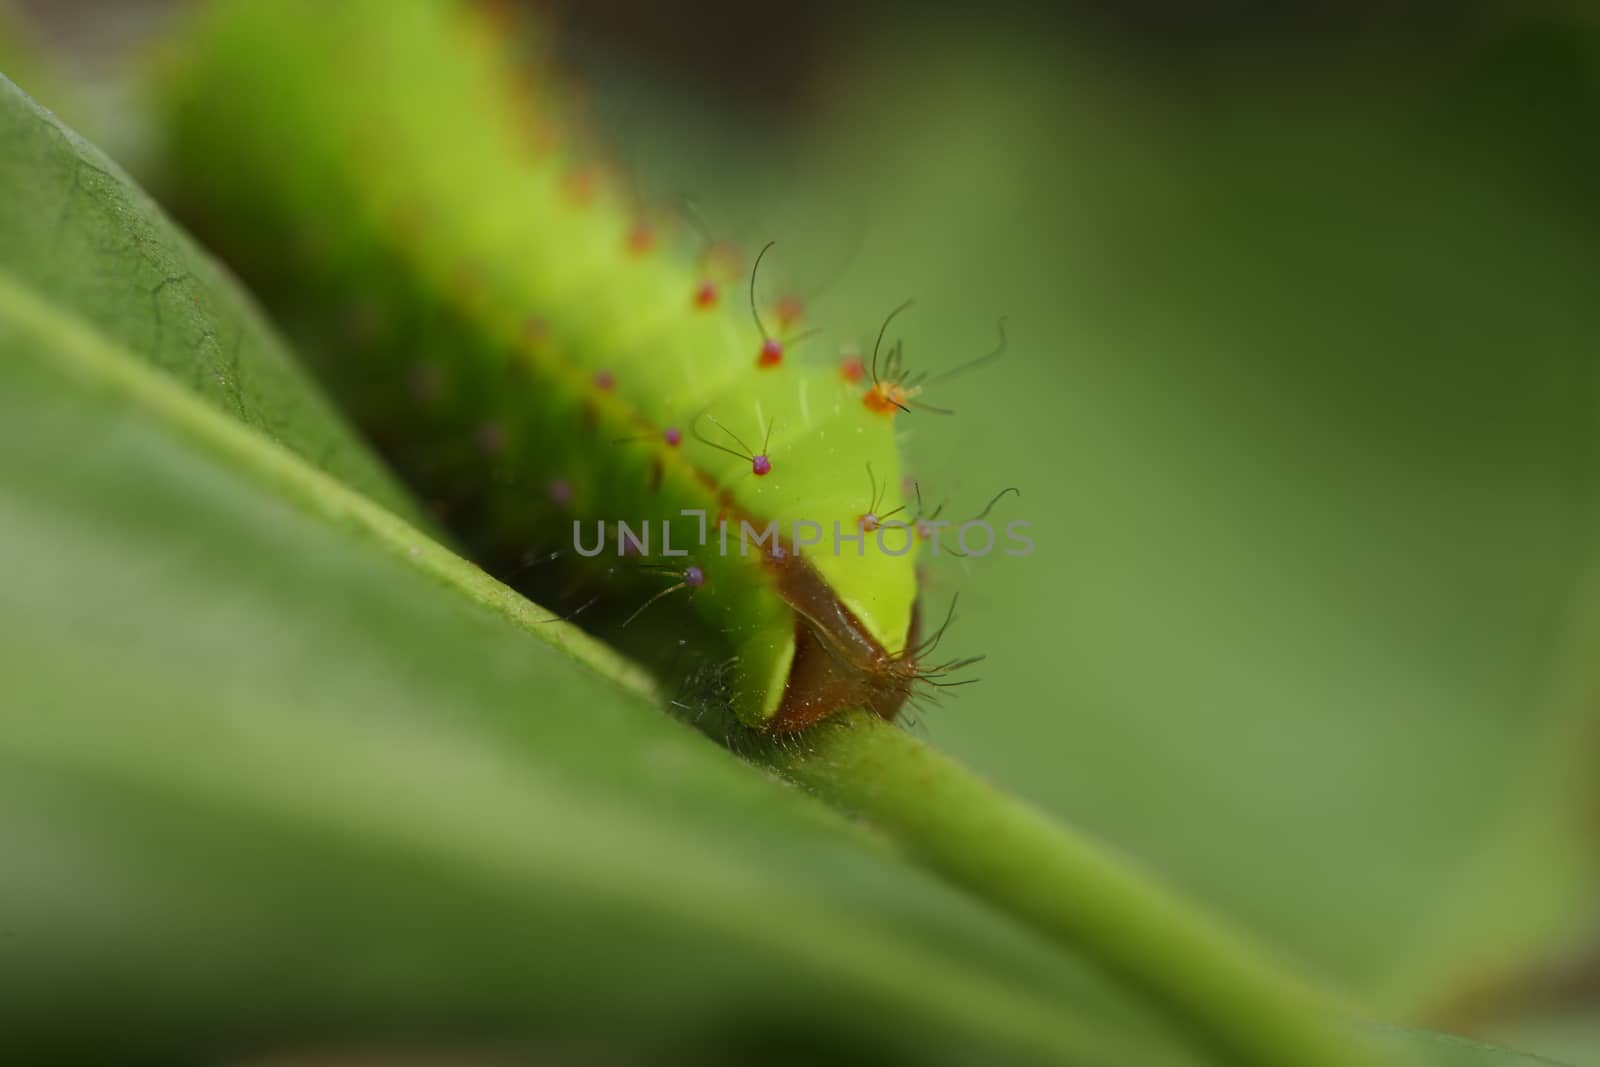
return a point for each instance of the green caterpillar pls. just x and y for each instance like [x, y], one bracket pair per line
[536, 358]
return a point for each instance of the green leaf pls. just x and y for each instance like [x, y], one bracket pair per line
[75, 230]
[276, 771]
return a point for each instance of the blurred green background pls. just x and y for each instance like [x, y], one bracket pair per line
[1303, 401]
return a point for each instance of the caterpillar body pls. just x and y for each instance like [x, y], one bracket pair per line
[531, 353]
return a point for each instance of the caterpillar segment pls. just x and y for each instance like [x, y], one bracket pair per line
[531, 354]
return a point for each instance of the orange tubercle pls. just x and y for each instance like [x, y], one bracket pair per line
[886, 398]
[641, 238]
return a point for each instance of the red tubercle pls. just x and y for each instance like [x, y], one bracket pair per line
[604, 381]
[672, 436]
[641, 239]
[760, 465]
[851, 369]
[771, 352]
[717, 265]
